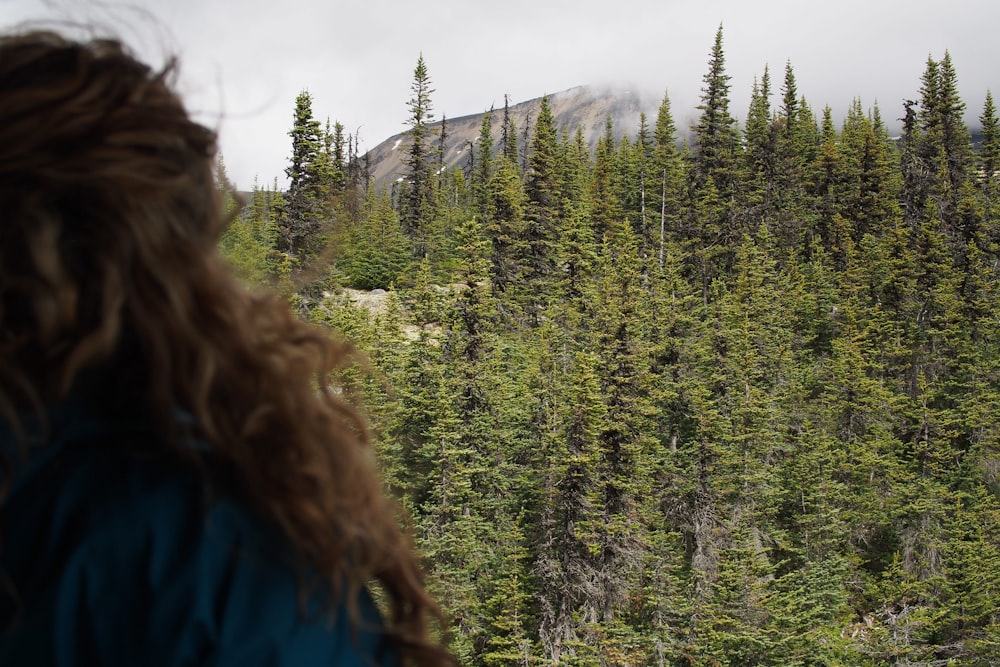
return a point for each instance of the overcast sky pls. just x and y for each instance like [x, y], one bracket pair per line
[244, 61]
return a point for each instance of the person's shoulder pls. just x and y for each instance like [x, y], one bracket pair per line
[140, 559]
[230, 580]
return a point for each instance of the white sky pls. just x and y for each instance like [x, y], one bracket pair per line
[244, 61]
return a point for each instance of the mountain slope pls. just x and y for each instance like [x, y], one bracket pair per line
[586, 107]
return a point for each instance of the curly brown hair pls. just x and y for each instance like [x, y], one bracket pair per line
[108, 261]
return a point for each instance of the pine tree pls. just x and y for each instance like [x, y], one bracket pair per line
[561, 427]
[827, 182]
[972, 563]
[577, 258]
[757, 367]
[442, 142]
[225, 188]
[509, 643]
[576, 167]
[915, 181]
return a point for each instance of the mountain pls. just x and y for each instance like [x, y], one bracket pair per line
[586, 107]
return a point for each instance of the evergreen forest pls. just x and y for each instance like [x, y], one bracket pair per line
[725, 395]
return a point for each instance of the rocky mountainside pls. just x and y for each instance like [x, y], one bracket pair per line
[586, 107]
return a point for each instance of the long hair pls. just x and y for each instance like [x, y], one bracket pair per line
[109, 219]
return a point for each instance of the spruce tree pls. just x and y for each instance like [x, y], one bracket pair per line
[604, 204]
[508, 133]
[760, 154]
[623, 474]
[415, 206]
[945, 149]
[304, 202]
[338, 154]
[872, 184]
[483, 169]
[797, 143]
[789, 103]
[504, 225]
[989, 153]
[954, 133]
[716, 140]
[715, 175]
[542, 188]
[669, 176]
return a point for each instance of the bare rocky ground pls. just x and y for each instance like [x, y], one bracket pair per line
[376, 302]
[373, 301]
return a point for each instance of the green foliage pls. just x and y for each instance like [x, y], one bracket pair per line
[250, 242]
[651, 406]
[376, 253]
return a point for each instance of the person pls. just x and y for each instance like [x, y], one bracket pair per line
[182, 484]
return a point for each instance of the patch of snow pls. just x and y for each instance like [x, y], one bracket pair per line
[398, 142]
[399, 180]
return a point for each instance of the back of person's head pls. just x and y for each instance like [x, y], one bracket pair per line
[109, 210]
[108, 269]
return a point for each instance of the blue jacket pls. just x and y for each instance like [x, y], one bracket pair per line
[113, 555]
